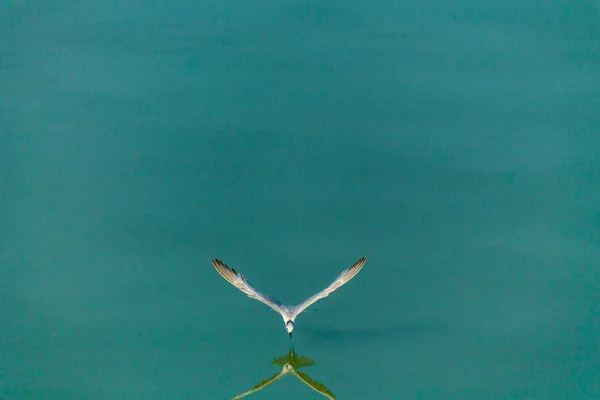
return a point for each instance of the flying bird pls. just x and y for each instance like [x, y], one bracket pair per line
[288, 312]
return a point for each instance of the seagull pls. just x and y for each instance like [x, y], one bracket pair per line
[288, 312]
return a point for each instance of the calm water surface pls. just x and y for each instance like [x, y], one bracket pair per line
[454, 144]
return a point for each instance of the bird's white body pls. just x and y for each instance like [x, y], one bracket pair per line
[288, 313]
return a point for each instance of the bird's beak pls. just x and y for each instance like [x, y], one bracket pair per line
[290, 335]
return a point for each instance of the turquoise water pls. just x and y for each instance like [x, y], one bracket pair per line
[454, 144]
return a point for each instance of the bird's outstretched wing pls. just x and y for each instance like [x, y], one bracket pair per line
[261, 385]
[314, 385]
[239, 281]
[344, 277]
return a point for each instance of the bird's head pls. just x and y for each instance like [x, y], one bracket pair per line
[289, 326]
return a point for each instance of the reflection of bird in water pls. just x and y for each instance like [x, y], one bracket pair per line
[291, 363]
[289, 313]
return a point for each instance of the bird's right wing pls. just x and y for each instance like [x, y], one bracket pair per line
[239, 281]
[260, 386]
[342, 278]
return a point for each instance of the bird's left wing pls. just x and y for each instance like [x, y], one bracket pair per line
[314, 385]
[342, 278]
[239, 281]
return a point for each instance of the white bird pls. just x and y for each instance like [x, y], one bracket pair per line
[288, 312]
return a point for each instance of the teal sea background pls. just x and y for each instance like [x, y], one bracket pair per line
[455, 144]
